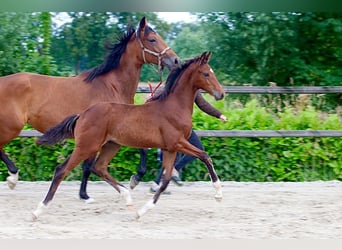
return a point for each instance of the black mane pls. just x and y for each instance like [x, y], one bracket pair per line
[112, 60]
[172, 79]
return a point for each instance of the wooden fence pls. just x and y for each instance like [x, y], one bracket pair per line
[255, 133]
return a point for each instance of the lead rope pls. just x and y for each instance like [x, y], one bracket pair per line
[153, 91]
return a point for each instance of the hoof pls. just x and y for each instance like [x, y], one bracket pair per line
[12, 180]
[137, 216]
[218, 196]
[148, 206]
[126, 195]
[10, 184]
[218, 199]
[133, 182]
[34, 216]
[40, 209]
[218, 191]
[88, 201]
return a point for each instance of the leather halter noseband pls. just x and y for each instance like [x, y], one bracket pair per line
[158, 55]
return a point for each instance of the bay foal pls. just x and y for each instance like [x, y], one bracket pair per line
[163, 122]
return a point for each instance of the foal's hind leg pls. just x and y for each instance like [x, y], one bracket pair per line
[100, 168]
[168, 161]
[61, 171]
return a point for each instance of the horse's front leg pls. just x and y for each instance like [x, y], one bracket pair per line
[141, 171]
[86, 167]
[168, 161]
[13, 171]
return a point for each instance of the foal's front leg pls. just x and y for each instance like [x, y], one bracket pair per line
[168, 161]
[100, 168]
[188, 148]
[213, 176]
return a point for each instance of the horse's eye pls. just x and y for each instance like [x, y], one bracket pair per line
[152, 40]
[206, 74]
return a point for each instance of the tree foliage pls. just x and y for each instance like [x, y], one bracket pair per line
[249, 47]
[255, 48]
[286, 48]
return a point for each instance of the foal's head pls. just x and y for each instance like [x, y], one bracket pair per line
[200, 75]
[154, 49]
[203, 76]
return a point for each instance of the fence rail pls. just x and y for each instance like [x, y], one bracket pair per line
[241, 133]
[254, 133]
[269, 90]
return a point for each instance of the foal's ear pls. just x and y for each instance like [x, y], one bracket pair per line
[209, 55]
[143, 23]
[205, 57]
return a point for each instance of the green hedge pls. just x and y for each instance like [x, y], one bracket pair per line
[235, 159]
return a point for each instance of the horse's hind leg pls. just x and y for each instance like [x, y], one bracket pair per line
[13, 171]
[86, 167]
[168, 161]
[100, 168]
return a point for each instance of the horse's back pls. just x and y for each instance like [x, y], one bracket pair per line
[14, 84]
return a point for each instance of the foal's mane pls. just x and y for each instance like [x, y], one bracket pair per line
[112, 60]
[172, 79]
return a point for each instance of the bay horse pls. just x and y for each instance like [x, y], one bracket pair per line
[163, 122]
[43, 101]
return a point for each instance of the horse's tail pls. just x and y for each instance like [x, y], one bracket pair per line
[60, 132]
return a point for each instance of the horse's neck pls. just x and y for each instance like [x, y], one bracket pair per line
[125, 79]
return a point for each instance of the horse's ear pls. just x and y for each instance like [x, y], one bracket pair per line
[142, 23]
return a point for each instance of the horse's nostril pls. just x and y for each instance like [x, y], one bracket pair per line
[176, 61]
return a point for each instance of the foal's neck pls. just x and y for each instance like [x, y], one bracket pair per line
[184, 93]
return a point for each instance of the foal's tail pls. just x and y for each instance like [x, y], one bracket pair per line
[60, 132]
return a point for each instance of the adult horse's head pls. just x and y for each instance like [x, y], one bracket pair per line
[206, 79]
[154, 49]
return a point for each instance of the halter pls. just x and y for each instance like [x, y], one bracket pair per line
[158, 55]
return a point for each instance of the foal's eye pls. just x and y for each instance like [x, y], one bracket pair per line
[206, 74]
[152, 40]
